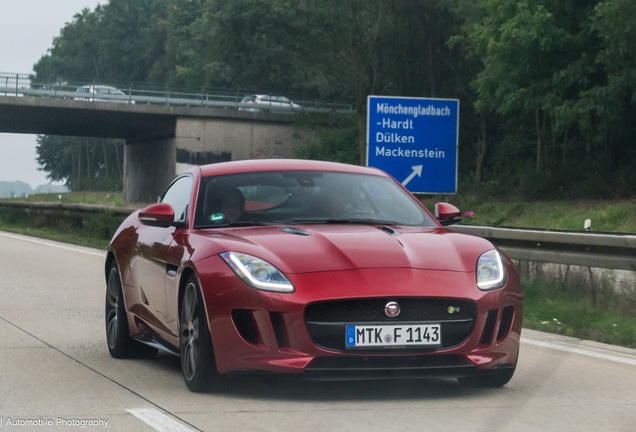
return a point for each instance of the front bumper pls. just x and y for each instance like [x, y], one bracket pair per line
[257, 332]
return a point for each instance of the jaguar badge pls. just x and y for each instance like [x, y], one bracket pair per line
[392, 309]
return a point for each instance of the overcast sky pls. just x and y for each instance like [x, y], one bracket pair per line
[27, 29]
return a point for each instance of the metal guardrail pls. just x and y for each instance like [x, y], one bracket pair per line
[601, 250]
[22, 85]
[64, 209]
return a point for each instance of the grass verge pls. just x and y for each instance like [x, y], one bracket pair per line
[607, 316]
[65, 236]
[605, 216]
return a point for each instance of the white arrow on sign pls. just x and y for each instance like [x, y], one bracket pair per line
[417, 171]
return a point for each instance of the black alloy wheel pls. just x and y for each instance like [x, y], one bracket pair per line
[120, 345]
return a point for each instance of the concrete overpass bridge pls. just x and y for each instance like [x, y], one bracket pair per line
[156, 136]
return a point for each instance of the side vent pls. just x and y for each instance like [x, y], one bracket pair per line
[278, 324]
[507, 316]
[489, 328]
[244, 323]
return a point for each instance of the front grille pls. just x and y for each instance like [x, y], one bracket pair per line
[326, 321]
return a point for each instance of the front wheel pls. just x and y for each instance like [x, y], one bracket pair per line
[195, 344]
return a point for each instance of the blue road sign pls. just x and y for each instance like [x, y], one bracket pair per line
[415, 140]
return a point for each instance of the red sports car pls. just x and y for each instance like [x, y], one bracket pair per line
[310, 269]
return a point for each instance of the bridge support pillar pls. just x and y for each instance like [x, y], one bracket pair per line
[149, 167]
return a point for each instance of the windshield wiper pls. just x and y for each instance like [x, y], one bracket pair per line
[335, 221]
[326, 221]
[236, 224]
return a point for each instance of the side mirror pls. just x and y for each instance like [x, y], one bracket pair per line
[159, 215]
[447, 214]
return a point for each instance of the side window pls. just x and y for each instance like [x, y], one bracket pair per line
[178, 196]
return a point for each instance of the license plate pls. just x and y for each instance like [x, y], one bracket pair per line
[360, 336]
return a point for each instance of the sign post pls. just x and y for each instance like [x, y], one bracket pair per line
[415, 140]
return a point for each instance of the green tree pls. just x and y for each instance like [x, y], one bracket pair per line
[121, 41]
[547, 89]
[82, 163]
[74, 53]
[131, 40]
[393, 47]
[539, 60]
[610, 107]
[521, 45]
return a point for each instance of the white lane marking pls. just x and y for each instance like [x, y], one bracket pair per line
[55, 244]
[157, 420]
[581, 351]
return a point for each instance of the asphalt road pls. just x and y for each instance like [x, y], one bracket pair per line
[56, 374]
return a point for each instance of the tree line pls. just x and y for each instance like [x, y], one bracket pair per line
[547, 89]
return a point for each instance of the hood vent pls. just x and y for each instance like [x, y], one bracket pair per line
[296, 231]
[390, 231]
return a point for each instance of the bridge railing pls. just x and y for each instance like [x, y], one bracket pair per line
[21, 85]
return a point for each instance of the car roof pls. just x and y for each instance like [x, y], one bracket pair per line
[283, 165]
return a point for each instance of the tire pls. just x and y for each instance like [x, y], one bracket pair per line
[195, 344]
[118, 340]
[490, 379]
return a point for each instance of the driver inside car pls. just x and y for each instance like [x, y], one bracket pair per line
[229, 206]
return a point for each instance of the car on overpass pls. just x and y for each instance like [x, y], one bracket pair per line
[268, 103]
[102, 93]
[313, 270]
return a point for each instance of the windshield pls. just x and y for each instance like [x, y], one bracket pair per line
[304, 197]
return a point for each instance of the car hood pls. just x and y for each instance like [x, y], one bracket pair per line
[319, 248]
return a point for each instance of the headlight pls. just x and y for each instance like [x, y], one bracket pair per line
[491, 272]
[257, 273]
